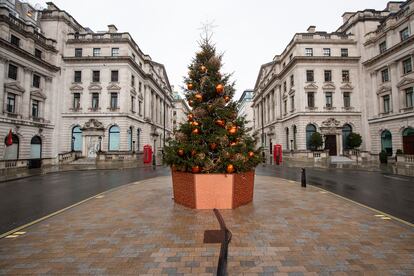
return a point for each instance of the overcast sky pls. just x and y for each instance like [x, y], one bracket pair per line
[249, 32]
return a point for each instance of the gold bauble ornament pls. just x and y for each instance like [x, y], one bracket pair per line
[203, 69]
[195, 169]
[219, 88]
[232, 144]
[230, 168]
[190, 117]
[190, 102]
[190, 86]
[180, 152]
[195, 124]
[226, 99]
[196, 131]
[213, 146]
[193, 153]
[232, 130]
[198, 97]
[250, 154]
[220, 122]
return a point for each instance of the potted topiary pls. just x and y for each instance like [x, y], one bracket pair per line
[354, 140]
[212, 156]
[383, 156]
[316, 141]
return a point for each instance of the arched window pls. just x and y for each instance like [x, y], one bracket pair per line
[76, 139]
[287, 138]
[138, 138]
[294, 137]
[130, 139]
[12, 152]
[36, 147]
[346, 130]
[113, 143]
[386, 142]
[310, 129]
[408, 140]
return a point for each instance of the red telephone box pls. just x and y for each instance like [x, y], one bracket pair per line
[147, 154]
[277, 154]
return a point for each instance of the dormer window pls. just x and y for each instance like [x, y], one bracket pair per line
[382, 47]
[38, 53]
[404, 34]
[15, 40]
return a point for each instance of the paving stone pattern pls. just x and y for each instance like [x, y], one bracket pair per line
[138, 229]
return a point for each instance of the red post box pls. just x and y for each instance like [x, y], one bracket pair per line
[147, 154]
[277, 154]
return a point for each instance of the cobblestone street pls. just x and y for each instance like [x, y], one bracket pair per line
[137, 229]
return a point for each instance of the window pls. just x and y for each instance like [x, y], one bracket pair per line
[382, 47]
[328, 75]
[404, 34]
[409, 97]
[287, 138]
[292, 80]
[309, 76]
[345, 76]
[327, 52]
[284, 65]
[78, 52]
[15, 40]
[292, 103]
[96, 76]
[407, 66]
[311, 99]
[139, 86]
[386, 103]
[344, 52]
[132, 80]
[96, 52]
[284, 86]
[36, 81]
[114, 76]
[114, 100]
[38, 53]
[308, 52]
[133, 104]
[11, 103]
[285, 106]
[76, 101]
[290, 57]
[35, 109]
[12, 72]
[328, 99]
[384, 75]
[36, 147]
[113, 143]
[310, 130]
[133, 57]
[140, 108]
[346, 130]
[115, 52]
[386, 142]
[77, 76]
[347, 99]
[95, 101]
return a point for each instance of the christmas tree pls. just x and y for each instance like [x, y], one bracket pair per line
[214, 140]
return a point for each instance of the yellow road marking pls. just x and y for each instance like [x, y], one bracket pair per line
[383, 214]
[10, 233]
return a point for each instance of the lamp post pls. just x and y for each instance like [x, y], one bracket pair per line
[291, 146]
[154, 163]
[73, 143]
[262, 115]
[133, 146]
[100, 144]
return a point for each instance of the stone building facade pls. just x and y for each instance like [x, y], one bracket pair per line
[180, 110]
[87, 92]
[326, 82]
[245, 108]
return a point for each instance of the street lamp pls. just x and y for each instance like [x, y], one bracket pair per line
[133, 146]
[73, 143]
[154, 163]
[100, 144]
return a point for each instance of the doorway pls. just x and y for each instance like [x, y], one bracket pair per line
[330, 144]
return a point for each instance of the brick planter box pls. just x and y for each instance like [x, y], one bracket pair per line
[208, 191]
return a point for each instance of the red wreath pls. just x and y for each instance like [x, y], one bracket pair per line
[9, 139]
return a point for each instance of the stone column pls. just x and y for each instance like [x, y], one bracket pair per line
[25, 103]
[374, 87]
[48, 104]
[2, 74]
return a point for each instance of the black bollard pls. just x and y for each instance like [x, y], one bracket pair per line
[303, 178]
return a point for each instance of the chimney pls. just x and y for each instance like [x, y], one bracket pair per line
[311, 29]
[112, 29]
[346, 16]
[51, 6]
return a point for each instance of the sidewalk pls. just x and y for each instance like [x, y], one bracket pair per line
[13, 174]
[138, 229]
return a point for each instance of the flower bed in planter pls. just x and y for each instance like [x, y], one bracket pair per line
[209, 191]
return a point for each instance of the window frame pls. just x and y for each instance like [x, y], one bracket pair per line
[404, 34]
[115, 52]
[78, 52]
[11, 96]
[113, 74]
[96, 76]
[329, 95]
[409, 99]
[113, 95]
[326, 52]
[38, 53]
[95, 101]
[310, 95]
[410, 65]
[76, 101]
[15, 70]
[382, 46]
[15, 40]
[310, 73]
[388, 105]
[309, 52]
[36, 81]
[77, 75]
[37, 104]
[344, 52]
[329, 74]
[96, 52]
[347, 99]
[385, 75]
[346, 76]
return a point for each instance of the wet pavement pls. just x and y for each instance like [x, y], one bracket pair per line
[392, 194]
[28, 199]
[138, 230]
